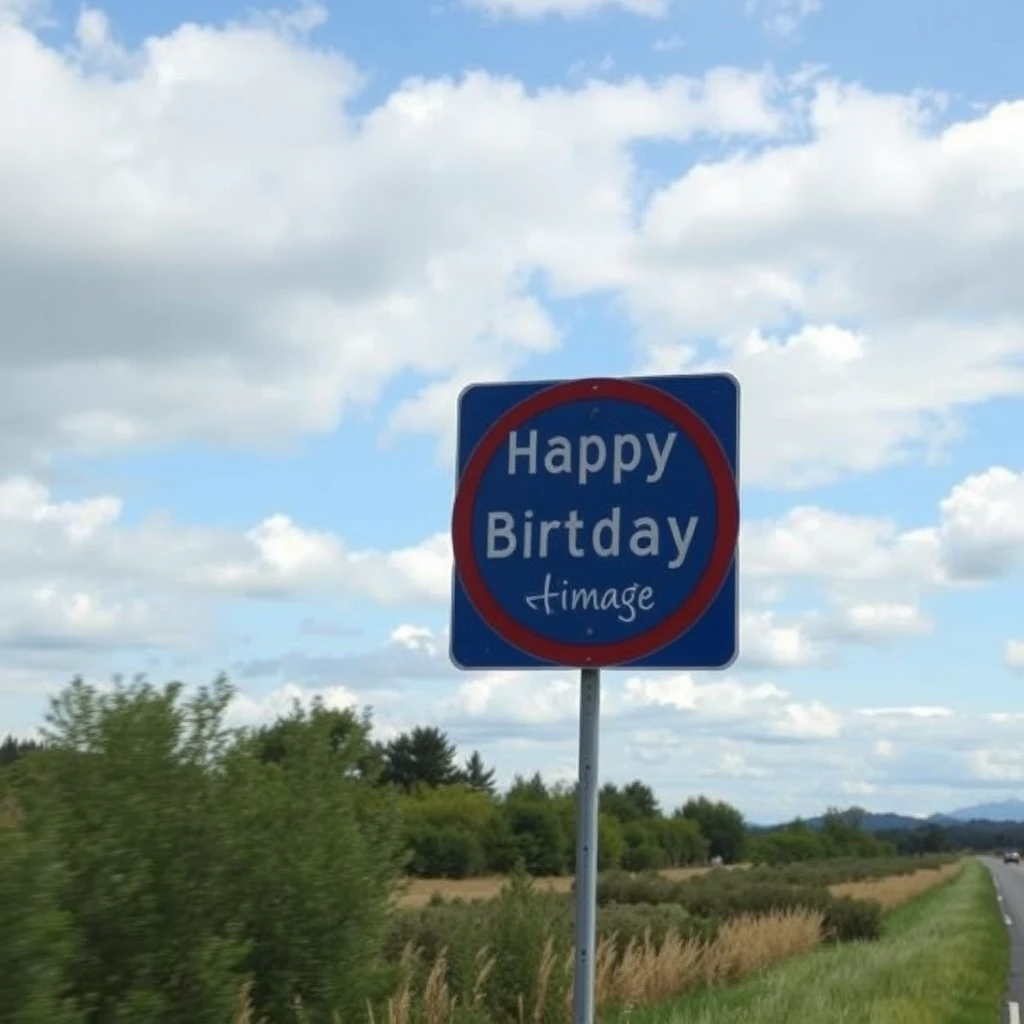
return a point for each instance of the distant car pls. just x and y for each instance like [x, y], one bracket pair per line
[1011, 857]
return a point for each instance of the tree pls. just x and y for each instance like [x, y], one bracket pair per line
[633, 802]
[165, 860]
[448, 830]
[12, 749]
[477, 776]
[125, 798]
[721, 824]
[423, 756]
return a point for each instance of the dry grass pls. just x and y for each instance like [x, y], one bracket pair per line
[644, 973]
[898, 889]
[419, 891]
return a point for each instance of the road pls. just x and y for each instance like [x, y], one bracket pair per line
[1009, 880]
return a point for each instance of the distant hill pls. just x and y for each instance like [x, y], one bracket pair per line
[1007, 811]
[1001, 810]
[883, 822]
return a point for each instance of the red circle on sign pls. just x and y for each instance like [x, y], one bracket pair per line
[723, 482]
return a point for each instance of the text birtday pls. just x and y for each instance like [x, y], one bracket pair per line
[607, 537]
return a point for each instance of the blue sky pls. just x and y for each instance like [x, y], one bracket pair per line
[249, 257]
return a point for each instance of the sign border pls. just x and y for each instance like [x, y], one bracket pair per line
[723, 479]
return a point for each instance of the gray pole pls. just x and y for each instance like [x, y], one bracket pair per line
[586, 847]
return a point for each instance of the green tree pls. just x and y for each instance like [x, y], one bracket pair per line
[38, 946]
[533, 829]
[13, 749]
[796, 842]
[721, 824]
[447, 830]
[314, 858]
[477, 776]
[643, 850]
[126, 798]
[682, 841]
[633, 802]
[422, 756]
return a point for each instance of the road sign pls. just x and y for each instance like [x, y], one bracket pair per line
[595, 524]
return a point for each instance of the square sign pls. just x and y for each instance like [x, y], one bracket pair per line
[595, 524]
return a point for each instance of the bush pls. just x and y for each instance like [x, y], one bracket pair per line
[445, 851]
[635, 921]
[624, 887]
[850, 920]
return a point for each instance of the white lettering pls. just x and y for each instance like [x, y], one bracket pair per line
[602, 526]
[515, 450]
[573, 525]
[682, 542]
[539, 539]
[546, 527]
[626, 602]
[645, 529]
[589, 466]
[620, 464]
[528, 534]
[559, 456]
[627, 452]
[505, 531]
[660, 456]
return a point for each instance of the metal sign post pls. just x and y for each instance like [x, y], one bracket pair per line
[586, 846]
[595, 526]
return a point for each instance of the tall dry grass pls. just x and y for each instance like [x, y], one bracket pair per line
[644, 973]
[898, 889]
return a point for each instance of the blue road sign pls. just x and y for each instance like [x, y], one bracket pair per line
[595, 524]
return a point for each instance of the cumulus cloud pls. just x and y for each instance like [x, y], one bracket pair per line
[283, 256]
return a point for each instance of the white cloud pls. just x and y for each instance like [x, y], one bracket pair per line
[767, 643]
[913, 711]
[999, 765]
[782, 17]
[283, 257]
[1014, 654]
[569, 8]
[978, 538]
[895, 256]
[877, 623]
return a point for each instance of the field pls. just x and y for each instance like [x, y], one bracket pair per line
[942, 960]
[501, 950]
[420, 891]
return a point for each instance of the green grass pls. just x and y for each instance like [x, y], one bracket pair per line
[943, 959]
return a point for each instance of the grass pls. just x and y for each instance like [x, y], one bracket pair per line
[639, 980]
[942, 960]
[898, 889]
[418, 892]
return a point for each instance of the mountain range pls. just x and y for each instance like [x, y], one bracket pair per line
[1011, 810]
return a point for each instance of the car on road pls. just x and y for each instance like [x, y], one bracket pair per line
[1011, 857]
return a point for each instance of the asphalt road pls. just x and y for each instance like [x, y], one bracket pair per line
[1009, 880]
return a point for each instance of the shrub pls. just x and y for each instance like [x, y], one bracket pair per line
[850, 920]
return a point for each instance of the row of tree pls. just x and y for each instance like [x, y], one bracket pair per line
[153, 861]
[455, 823]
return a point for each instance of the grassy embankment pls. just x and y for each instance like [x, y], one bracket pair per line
[942, 960]
[640, 977]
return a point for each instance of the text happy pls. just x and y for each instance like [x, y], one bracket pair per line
[591, 455]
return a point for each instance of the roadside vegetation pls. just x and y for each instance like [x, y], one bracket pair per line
[942, 959]
[159, 866]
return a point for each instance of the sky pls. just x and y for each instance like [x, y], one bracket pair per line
[249, 257]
